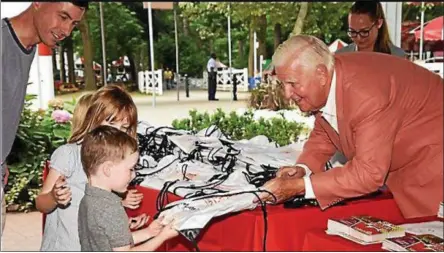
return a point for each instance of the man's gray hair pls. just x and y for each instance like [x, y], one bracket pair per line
[309, 49]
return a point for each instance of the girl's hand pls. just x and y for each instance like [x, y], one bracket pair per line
[61, 192]
[132, 199]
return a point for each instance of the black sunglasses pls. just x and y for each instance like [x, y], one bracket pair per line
[363, 33]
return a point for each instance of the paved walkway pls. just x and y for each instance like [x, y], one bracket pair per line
[23, 230]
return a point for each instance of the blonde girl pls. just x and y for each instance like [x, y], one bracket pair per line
[64, 186]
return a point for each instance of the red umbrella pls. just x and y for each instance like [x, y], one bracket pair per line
[433, 30]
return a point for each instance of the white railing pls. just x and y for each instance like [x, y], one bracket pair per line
[223, 80]
[145, 81]
[436, 67]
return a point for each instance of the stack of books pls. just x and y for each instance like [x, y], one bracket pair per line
[364, 229]
[410, 242]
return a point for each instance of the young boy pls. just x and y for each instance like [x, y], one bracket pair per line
[108, 158]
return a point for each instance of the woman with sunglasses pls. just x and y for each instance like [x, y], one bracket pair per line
[367, 28]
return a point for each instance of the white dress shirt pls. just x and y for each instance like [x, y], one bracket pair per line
[329, 114]
[211, 64]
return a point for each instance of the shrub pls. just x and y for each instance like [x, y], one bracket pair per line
[269, 95]
[244, 126]
[37, 137]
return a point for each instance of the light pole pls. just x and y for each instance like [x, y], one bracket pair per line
[230, 73]
[421, 38]
[177, 50]
[102, 31]
[153, 77]
[256, 46]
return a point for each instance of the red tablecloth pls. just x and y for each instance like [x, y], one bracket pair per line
[318, 240]
[286, 227]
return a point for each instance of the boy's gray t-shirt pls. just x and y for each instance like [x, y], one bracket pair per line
[103, 222]
[16, 63]
[61, 226]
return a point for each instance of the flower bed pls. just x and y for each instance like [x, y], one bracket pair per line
[39, 134]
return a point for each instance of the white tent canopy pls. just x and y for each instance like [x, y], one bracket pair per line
[337, 44]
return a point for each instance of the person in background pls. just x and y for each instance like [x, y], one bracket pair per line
[367, 27]
[42, 22]
[168, 76]
[235, 83]
[212, 68]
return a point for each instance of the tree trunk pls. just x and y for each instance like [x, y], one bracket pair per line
[62, 63]
[133, 71]
[241, 48]
[211, 45]
[299, 25]
[186, 26]
[277, 35]
[90, 80]
[70, 56]
[258, 24]
[261, 38]
[251, 51]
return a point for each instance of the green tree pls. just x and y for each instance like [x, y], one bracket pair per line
[411, 11]
[123, 34]
[327, 21]
[87, 52]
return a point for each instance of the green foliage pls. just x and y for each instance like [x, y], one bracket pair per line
[411, 11]
[208, 25]
[37, 137]
[202, 29]
[328, 21]
[244, 126]
[124, 33]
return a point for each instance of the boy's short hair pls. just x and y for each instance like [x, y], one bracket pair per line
[105, 143]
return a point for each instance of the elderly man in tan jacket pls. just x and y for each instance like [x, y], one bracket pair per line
[386, 118]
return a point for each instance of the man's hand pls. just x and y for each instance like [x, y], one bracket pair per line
[282, 189]
[290, 171]
[138, 222]
[132, 199]
[61, 193]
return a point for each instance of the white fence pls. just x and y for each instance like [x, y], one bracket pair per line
[146, 80]
[432, 65]
[223, 80]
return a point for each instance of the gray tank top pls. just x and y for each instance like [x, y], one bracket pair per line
[16, 63]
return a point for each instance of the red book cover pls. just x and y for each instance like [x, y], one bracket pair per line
[369, 225]
[428, 243]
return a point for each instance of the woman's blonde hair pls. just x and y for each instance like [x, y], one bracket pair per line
[78, 115]
[110, 103]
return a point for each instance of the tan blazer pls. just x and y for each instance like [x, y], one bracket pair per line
[390, 121]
